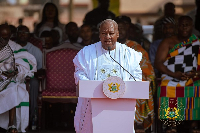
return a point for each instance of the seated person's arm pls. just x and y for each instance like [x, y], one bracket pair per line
[137, 74]
[161, 56]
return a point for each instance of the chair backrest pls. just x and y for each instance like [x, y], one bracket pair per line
[60, 69]
[38, 42]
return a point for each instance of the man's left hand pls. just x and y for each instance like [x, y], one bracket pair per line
[190, 74]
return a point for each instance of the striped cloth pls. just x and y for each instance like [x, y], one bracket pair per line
[183, 95]
[188, 98]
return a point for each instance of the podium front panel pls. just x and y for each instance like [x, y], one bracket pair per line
[113, 115]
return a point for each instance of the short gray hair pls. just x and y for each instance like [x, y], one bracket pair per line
[109, 21]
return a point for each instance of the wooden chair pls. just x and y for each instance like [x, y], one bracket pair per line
[58, 84]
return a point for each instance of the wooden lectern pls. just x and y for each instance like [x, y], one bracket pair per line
[113, 115]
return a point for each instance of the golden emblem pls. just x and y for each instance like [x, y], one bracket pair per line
[114, 87]
[171, 113]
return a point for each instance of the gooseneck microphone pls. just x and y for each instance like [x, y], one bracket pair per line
[119, 64]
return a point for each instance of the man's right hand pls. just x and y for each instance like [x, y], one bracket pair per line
[11, 74]
[179, 75]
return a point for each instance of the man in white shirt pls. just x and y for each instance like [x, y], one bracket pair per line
[23, 35]
[93, 62]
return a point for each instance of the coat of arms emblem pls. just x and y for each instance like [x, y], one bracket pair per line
[114, 87]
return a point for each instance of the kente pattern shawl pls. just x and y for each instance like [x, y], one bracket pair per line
[144, 107]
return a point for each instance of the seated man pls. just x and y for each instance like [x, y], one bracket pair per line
[73, 40]
[144, 107]
[23, 36]
[178, 60]
[94, 63]
[49, 39]
[168, 30]
[14, 98]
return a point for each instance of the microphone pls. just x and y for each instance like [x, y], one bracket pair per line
[119, 64]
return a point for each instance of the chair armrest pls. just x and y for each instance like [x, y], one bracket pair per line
[27, 80]
[40, 73]
[41, 77]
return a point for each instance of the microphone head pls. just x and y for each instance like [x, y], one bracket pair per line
[109, 48]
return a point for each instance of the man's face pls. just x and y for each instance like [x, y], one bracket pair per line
[5, 33]
[122, 31]
[86, 33]
[23, 35]
[185, 27]
[108, 35]
[73, 32]
[168, 30]
[48, 42]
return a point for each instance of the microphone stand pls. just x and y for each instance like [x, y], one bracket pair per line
[120, 64]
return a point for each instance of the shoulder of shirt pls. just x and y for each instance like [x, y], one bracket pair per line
[91, 46]
[159, 40]
[14, 46]
[155, 44]
[33, 46]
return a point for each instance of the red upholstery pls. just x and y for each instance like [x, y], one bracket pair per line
[60, 74]
[36, 42]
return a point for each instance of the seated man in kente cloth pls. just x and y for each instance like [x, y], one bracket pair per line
[178, 59]
[93, 62]
[15, 64]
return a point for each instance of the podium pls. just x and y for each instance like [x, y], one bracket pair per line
[113, 115]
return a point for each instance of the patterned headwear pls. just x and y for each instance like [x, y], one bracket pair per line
[168, 20]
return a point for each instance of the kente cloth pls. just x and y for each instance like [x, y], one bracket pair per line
[94, 63]
[144, 107]
[15, 94]
[174, 93]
